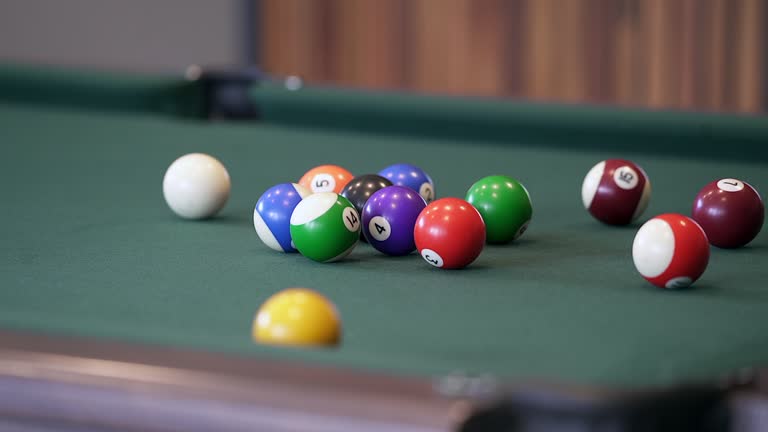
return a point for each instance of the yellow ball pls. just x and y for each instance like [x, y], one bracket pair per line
[297, 316]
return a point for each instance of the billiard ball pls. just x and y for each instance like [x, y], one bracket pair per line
[730, 211]
[297, 317]
[616, 191]
[360, 188]
[505, 206]
[326, 178]
[389, 218]
[196, 186]
[272, 215]
[325, 227]
[449, 233]
[671, 251]
[411, 176]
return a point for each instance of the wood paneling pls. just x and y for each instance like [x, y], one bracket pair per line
[701, 54]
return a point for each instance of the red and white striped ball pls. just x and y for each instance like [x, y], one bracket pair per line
[616, 191]
[671, 251]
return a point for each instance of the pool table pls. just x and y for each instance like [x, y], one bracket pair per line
[117, 315]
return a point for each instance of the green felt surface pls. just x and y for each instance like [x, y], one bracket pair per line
[88, 247]
[100, 90]
[579, 127]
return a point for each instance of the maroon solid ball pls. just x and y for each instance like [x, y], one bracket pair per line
[730, 211]
[616, 191]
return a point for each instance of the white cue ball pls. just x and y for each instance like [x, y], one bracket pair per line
[196, 186]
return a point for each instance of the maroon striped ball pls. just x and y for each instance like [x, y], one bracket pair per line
[616, 191]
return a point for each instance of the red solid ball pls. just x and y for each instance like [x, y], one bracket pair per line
[730, 211]
[449, 233]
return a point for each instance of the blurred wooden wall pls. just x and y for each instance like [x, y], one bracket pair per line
[701, 54]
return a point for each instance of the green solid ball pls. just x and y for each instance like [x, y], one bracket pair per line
[325, 227]
[505, 206]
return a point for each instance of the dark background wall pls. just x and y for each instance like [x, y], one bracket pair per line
[703, 54]
[692, 54]
[144, 35]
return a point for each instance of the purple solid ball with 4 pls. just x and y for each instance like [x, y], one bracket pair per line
[389, 216]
